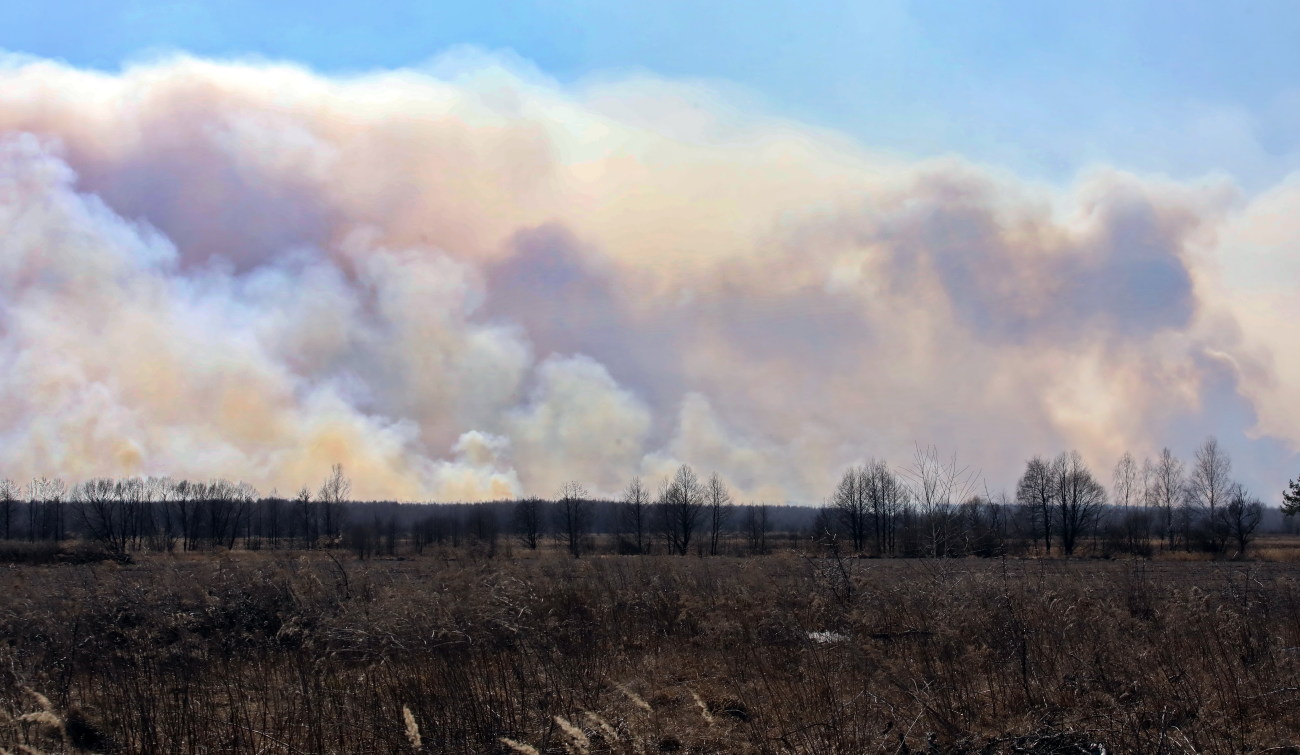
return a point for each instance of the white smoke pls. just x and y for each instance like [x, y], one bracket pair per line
[487, 284]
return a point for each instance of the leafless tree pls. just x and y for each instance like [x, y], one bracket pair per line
[852, 505]
[891, 500]
[1080, 499]
[868, 502]
[528, 521]
[1165, 492]
[185, 499]
[137, 509]
[480, 524]
[1124, 481]
[100, 511]
[226, 506]
[681, 503]
[272, 518]
[937, 485]
[984, 524]
[574, 513]
[1036, 492]
[636, 513]
[719, 502]
[1208, 488]
[1239, 516]
[8, 505]
[35, 510]
[163, 493]
[331, 497]
[757, 527]
[304, 517]
[1127, 488]
[1146, 497]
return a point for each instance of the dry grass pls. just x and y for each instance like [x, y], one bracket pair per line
[293, 654]
[1277, 548]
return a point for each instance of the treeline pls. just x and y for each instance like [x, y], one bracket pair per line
[932, 507]
[158, 513]
[161, 514]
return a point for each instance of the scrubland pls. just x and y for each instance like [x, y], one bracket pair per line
[453, 651]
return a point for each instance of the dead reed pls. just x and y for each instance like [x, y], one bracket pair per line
[302, 654]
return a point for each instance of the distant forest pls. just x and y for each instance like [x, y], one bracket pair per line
[931, 508]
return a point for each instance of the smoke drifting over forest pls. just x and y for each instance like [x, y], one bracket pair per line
[471, 283]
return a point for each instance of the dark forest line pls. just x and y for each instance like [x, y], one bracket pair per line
[932, 508]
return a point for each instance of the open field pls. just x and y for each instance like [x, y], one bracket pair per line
[302, 653]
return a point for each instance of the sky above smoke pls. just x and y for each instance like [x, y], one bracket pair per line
[468, 281]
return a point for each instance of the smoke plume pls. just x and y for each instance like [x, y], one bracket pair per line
[482, 283]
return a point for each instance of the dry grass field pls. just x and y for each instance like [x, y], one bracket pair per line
[315, 653]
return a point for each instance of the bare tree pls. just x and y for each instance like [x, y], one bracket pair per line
[163, 493]
[35, 511]
[528, 521]
[8, 505]
[867, 503]
[937, 485]
[891, 501]
[757, 527]
[273, 518]
[245, 496]
[1124, 481]
[304, 517]
[1036, 492]
[636, 513]
[1127, 488]
[226, 508]
[331, 497]
[184, 505]
[1080, 499]
[984, 524]
[719, 502]
[480, 524]
[218, 507]
[137, 508]
[1208, 488]
[101, 514]
[1165, 491]
[1239, 516]
[681, 502]
[55, 494]
[574, 513]
[852, 505]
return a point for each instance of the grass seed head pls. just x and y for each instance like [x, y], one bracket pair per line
[41, 700]
[704, 709]
[575, 735]
[606, 730]
[636, 699]
[44, 718]
[519, 747]
[412, 728]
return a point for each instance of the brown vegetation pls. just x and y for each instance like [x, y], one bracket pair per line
[316, 653]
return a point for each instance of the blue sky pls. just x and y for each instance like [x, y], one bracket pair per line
[1043, 88]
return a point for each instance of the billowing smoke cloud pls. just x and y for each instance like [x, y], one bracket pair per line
[481, 284]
